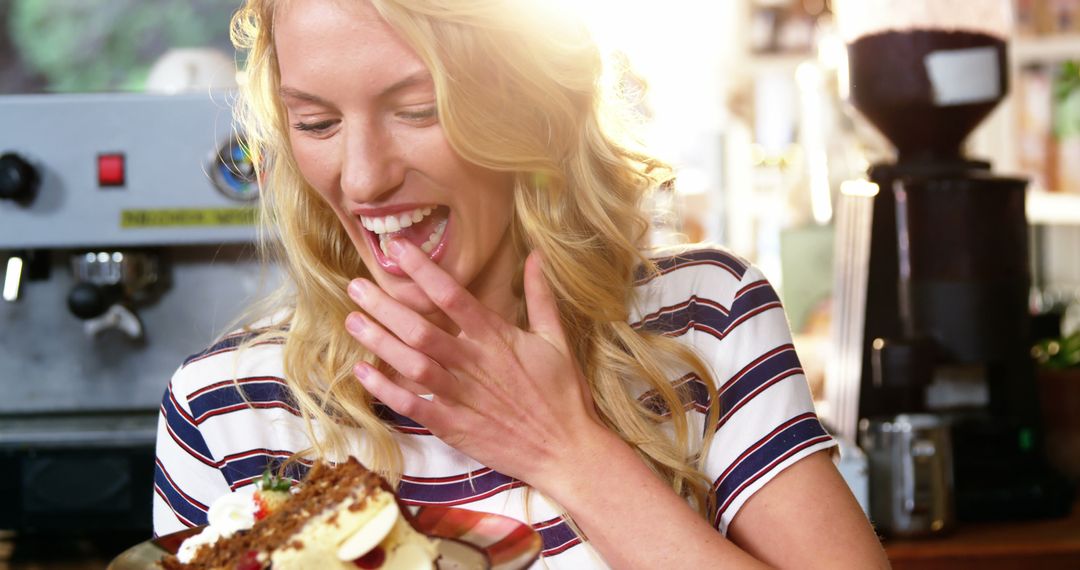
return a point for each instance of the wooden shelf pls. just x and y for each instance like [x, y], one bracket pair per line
[1053, 208]
[1042, 49]
[1045, 545]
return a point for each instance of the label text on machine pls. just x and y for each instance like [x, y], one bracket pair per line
[131, 219]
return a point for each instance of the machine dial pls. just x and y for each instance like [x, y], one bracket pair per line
[233, 172]
[89, 301]
[19, 179]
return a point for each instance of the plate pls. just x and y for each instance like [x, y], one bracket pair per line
[469, 540]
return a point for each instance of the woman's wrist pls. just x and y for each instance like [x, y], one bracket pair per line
[574, 471]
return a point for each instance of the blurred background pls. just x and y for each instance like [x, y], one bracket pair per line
[126, 200]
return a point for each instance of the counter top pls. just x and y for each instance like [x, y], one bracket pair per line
[1044, 544]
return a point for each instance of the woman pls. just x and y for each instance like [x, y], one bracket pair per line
[471, 313]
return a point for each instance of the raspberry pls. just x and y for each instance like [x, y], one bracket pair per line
[371, 560]
[250, 561]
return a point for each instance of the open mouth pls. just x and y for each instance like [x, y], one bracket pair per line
[425, 227]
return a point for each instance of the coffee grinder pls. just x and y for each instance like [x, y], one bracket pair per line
[944, 309]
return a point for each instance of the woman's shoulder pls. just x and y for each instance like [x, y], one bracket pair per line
[251, 351]
[701, 271]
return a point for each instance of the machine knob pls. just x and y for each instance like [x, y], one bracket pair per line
[18, 179]
[89, 301]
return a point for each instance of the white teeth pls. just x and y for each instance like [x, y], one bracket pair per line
[390, 224]
[433, 239]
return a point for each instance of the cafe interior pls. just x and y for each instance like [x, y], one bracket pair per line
[906, 173]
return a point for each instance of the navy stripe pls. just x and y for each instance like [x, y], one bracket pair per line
[771, 368]
[184, 509]
[691, 314]
[725, 260]
[227, 344]
[184, 432]
[260, 393]
[398, 421]
[691, 388]
[752, 297]
[797, 431]
[556, 537]
[239, 472]
[488, 483]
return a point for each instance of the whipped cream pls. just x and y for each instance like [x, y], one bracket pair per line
[228, 515]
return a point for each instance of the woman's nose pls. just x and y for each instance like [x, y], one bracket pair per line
[371, 165]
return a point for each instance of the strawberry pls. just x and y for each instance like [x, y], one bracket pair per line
[271, 493]
[268, 502]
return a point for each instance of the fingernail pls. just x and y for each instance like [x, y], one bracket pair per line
[361, 371]
[355, 323]
[395, 247]
[356, 290]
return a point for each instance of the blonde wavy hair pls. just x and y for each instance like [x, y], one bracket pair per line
[578, 198]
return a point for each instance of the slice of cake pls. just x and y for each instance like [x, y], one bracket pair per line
[341, 516]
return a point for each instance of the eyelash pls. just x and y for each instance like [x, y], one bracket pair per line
[324, 125]
[313, 127]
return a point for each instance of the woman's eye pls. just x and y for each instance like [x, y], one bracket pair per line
[318, 127]
[420, 115]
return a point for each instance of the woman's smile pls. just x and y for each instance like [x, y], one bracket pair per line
[424, 226]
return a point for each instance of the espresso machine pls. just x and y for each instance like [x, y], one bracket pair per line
[125, 229]
[934, 310]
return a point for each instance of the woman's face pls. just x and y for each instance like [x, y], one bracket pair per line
[365, 135]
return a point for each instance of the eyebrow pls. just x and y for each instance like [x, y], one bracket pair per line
[418, 78]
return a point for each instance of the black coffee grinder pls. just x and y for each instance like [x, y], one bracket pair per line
[946, 326]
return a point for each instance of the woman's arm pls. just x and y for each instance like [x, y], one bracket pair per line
[515, 401]
[806, 517]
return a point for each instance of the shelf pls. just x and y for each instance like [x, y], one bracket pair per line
[1040, 49]
[782, 62]
[1053, 208]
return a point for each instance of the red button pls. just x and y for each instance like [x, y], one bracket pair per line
[110, 169]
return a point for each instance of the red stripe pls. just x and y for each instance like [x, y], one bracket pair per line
[246, 406]
[188, 449]
[749, 397]
[749, 286]
[177, 488]
[223, 383]
[678, 266]
[754, 364]
[760, 442]
[764, 471]
[548, 523]
[646, 319]
[176, 404]
[749, 314]
[562, 548]
[465, 500]
[178, 516]
[448, 478]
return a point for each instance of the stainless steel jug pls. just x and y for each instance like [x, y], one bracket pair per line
[911, 480]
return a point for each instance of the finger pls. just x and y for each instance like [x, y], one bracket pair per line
[540, 302]
[395, 397]
[409, 362]
[465, 310]
[413, 330]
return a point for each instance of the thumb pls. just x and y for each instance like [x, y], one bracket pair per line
[540, 302]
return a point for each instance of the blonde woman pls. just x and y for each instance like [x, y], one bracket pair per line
[472, 314]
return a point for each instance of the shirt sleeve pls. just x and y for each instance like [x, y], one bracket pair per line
[187, 478]
[767, 420]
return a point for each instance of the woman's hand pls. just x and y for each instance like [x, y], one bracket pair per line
[514, 400]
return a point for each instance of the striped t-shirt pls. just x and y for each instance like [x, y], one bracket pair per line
[211, 441]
